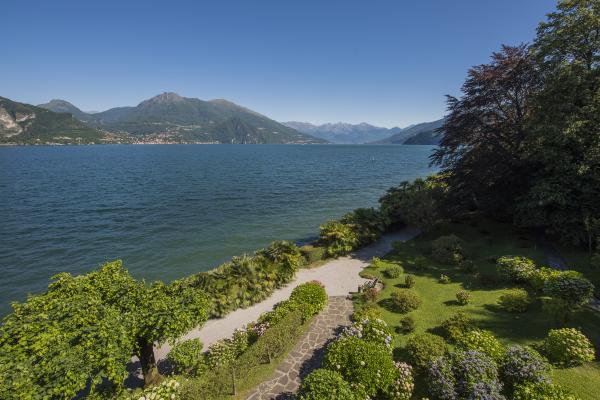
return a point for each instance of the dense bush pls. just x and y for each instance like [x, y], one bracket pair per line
[522, 364]
[409, 281]
[393, 272]
[368, 311]
[569, 286]
[312, 254]
[541, 391]
[515, 300]
[457, 325]
[407, 325]
[463, 297]
[363, 363]
[168, 389]
[420, 263]
[403, 385]
[405, 300]
[515, 268]
[370, 294]
[338, 238]
[568, 347]
[482, 341]
[368, 225]
[371, 330]
[448, 250]
[444, 279]
[541, 275]
[464, 375]
[324, 384]
[186, 357]
[423, 348]
[310, 298]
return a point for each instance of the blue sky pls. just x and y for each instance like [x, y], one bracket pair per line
[389, 63]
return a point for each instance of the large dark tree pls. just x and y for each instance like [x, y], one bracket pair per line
[485, 131]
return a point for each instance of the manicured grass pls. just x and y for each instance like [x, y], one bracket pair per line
[484, 240]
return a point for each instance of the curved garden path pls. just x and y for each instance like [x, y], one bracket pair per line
[307, 354]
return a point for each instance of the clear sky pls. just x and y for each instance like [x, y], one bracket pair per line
[388, 63]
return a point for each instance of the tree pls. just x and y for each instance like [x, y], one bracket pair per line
[338, 238]
[485, 131]
[85, 329]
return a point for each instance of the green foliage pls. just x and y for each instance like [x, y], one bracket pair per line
[370, 330]
[169, 389]
[568, 347]
[444, 279]
[457, 325]
[569, 287]
[541, 391]
[409, 281]
[324, 384]
[522, 364]
[366, 364]
[448, 250]
[463, 297]
[310, 298]
[420, 263]
[541, 275]
[312, 254]
[515, 300]
[367, 311]
[515, 268]
[482, 341]
[367, 223]
[405, 300]
[407, 325]
[186, 357]
[338, 238]
[418, 203]
[423, 348]
[85, 329]
[393, 272]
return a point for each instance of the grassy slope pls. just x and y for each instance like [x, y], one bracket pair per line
[484, 239]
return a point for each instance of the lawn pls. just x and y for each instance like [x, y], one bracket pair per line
[484, 241]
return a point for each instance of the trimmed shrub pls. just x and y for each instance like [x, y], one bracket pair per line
[312, 254]
[542, 391]
[515, 268]
[448, 250]
[457, 325]
[309, 297]
[368, 311]
[324, 384]
[464, 375]
[568, 347]
[409, 281]
[482, 341]
[522, 364]
[186, 357]
[393, 272]
[444, 279]
[424, 348]
[463, 297]
[376, 331]
[366, 364]
[571, 287]
[405, 300]
[515, 300]
[338, 238]
[407, 325]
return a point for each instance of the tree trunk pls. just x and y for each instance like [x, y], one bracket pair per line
[148, 362]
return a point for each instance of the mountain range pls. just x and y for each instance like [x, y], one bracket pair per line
[340, 132]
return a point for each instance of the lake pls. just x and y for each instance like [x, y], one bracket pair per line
[172, 210]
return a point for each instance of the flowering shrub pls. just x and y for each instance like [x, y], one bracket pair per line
[515, 268]
[571, 287]
[515, 300]
[423, 348]
[370, 294]
[167, 390]
[457, 325]
[523, 364]
[257, 329]
[541, 391]
[309, 297]
[407, 325]
[405, 300]
[444, 279]
[368, 311]
[448, 250]
[463, 297]
[409, 281]
[362, 363]
[393, 272]
[239, 341]
[220, 353]
[186, 357]
[464, 375]
[541, 275]
[568, 347]
[375, 330]
[324, 384]
[403, 385]
[482, 341]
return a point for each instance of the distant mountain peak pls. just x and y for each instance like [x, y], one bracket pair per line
[163, 98]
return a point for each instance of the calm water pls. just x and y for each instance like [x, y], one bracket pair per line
[169, 211]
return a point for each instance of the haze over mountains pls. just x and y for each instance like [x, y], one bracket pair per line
[340, 132]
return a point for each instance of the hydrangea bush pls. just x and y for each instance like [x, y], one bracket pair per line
[522, 364]
[168, 389]
[515, 300]
[574, 289]
[368, 311]
[393, 271]
[324, 384]
[404, 383]
[515, 268]
[457, 325]
[463, 297]
[542, 391]
[405, 300]
[482, 341]
[186, 357]
[423, 348]
[568, 347]
[371, 330]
